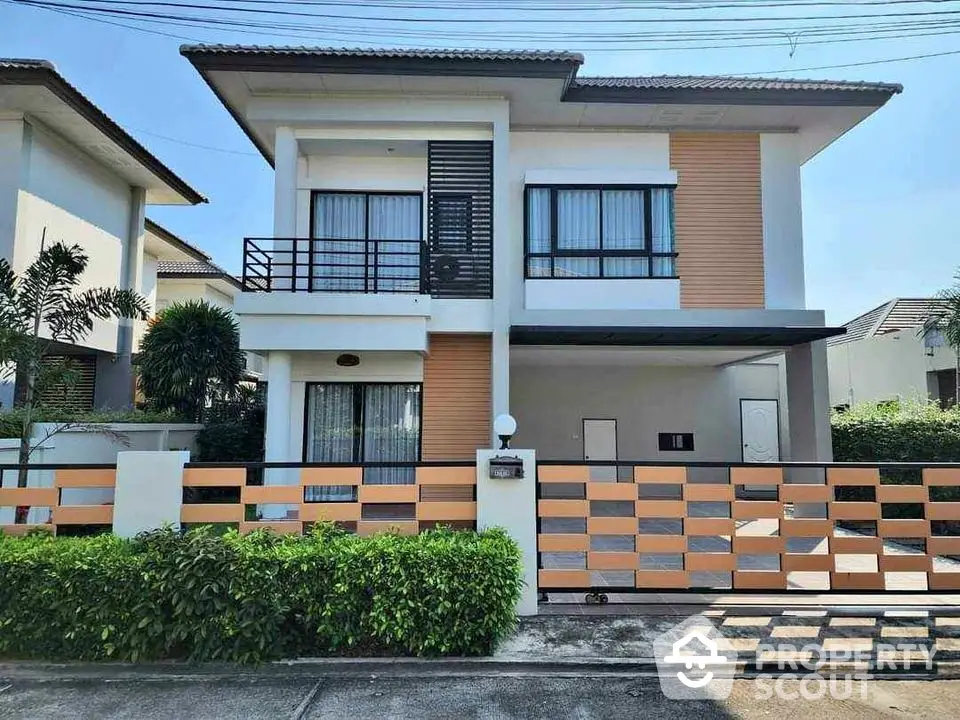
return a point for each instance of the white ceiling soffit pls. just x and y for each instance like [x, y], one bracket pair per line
[548, 356]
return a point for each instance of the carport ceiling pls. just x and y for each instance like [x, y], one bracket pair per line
[556, 355]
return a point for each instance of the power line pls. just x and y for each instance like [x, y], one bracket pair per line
[850, 65]
[196, 145]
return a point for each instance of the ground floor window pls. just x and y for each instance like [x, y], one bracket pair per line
[363, 423]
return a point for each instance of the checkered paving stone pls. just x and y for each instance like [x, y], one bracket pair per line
[893, 640]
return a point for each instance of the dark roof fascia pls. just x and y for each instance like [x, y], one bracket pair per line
[45, 75]
[669, 336]
[179, 243]
[225, 276]
[690, 96]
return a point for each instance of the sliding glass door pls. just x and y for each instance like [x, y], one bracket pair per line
[354, 423]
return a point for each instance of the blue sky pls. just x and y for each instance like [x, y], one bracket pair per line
[880, 205]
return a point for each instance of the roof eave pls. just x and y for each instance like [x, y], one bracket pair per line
[45, 75]
[699, 96]
[208, 277]
[175, 241]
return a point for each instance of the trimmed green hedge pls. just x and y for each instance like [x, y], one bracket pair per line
[888, 433]
[257, 597]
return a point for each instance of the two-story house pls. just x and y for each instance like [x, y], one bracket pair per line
[884, 356]
[69, 173]
[617, 262]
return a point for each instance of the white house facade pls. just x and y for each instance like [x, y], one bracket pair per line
[617, 262]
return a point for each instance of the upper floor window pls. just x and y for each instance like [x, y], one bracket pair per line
[599, 232]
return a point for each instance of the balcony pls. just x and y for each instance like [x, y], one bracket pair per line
[331, 265]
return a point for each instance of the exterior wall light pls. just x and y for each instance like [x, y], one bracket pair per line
[348, 360]
[505, 427]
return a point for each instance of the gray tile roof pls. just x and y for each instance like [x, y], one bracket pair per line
[893, 315]
[724, 82]
[424, 54]
[26, 63]
[193, 269]
[175, 240]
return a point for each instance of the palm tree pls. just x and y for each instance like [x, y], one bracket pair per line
[944, 320]
[43, 307]
[189, 353]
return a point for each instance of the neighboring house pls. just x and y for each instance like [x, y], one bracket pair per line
[69, 173]
[460, 234]
[884, 356]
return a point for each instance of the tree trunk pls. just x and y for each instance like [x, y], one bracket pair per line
[27, 429]
[956, 379]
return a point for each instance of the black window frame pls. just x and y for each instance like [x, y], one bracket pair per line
[366, 240]
[359, 392]
[600, 253]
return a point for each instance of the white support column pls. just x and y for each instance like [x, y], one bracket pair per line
[512, 505]
[808, 402]
[285, 160]
[277, 442]
[503, 268]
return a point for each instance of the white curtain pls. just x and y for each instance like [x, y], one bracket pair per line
[393, 218]
[661, 217]
[391, 432]
[623, 229]
[538, 230]
[339, 265]
[578, 228]
[331, 435]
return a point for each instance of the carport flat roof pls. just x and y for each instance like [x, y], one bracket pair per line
[669, 336]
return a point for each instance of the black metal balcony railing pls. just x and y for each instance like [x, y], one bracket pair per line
[334, 265]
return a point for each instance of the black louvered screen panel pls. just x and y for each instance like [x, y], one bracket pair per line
[460, 197]
[71, 382]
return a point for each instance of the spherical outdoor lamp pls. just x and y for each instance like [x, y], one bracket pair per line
[505, 427]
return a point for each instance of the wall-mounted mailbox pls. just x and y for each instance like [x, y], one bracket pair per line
[506, 468]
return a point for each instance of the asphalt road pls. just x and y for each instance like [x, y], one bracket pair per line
[438, 696]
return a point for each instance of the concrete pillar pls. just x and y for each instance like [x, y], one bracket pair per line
[277, 441]
[808, 402]
[503, 268]
[149, 491]
[512, 505]
[286, 158]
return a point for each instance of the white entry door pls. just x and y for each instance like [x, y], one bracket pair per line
[760, 430]
[600, 443]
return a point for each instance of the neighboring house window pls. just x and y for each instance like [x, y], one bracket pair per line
[358, 423]
[591, 232]
[366, 242]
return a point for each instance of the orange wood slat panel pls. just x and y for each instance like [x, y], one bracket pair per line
[718, 219]
[561, 542]
[661, 543]
[941, 476]
[902, 493]
[612, 525]
[294, 527]
[212, 513]
[943, 581]
[942, 511]
[759, 580]
[563, 473]
[388, 493]
[456, 396]
[564, 578]
[446, 493]
[806, 493]
[344, 512]
[943, 546]
[772, 545]
[435, 511]
[214, 477]
[710, 562]
[611, 491]
[331, 476]
[797, 562]
[708, 493]
[756, 509]
[756, 476]
[447, 475]
[853, 476]
[856, 581]
[613, 561]
[708, 526]
[271, 494]
[660, 475]
[802, 527]
[855, 545]
[29, 497]
[562, 508]
[905, 563]
[667, 579]
[403, 527]
[82, 515]
[661, 508]
[85, 478]
[18, 530]
[903, 528]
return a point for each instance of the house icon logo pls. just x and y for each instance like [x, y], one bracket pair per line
[690, 663]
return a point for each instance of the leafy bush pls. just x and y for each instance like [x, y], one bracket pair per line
[233, 429]
[256, 597]
[907, 432]
[11, 422]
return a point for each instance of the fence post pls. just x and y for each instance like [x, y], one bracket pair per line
[149, 491]
[512, 505]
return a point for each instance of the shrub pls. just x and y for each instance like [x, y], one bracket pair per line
[233, 429]
[257, 597]
[908, 432]
[11, 421]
